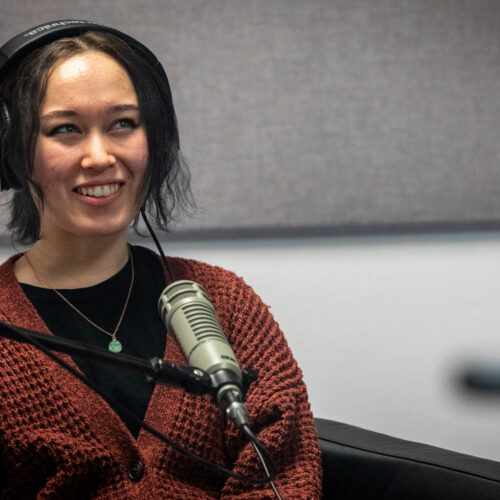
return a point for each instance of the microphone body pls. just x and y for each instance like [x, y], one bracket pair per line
[188, 314]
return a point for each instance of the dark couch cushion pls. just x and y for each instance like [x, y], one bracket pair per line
[361, 464]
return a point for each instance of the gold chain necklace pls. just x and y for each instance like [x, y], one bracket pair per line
[114, 345]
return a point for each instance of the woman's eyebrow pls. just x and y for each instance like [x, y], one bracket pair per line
[63, 113]
[58, 114]
[123, 107]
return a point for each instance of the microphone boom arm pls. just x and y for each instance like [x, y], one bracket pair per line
[191, 379]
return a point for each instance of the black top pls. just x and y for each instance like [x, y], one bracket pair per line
[142, 332]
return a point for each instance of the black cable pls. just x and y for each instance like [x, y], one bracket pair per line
[264, 457]
[157, 243]
[264, 466]
[151, 430]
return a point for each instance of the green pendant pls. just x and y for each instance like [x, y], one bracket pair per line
[115, 346]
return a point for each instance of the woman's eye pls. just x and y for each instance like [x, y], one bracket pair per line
[64, 129]
[125, 123]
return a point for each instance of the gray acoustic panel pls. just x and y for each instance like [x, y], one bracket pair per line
[323, 113]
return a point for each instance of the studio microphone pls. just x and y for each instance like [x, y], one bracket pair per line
[188, 314]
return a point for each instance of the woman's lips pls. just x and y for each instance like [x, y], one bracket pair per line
[99, 191]
[99, 195]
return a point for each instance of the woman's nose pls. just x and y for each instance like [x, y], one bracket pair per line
[96, 153]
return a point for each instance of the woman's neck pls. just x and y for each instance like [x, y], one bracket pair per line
[76, 263]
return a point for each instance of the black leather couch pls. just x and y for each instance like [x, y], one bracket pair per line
[361, 464]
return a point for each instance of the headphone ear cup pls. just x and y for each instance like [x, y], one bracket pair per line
[4, 117]
[7, 178]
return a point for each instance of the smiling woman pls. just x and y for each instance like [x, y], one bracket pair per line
[88, 140]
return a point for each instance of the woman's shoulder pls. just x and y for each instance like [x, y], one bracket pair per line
[194, 270]
[13, 303]
[217, 281]
[182, 268]
[7, 276]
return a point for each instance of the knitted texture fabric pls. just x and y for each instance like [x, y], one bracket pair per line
[59, 440]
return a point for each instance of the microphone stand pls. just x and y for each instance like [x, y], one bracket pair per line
[191, 379]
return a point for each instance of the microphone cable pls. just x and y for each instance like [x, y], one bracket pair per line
[264, 457]
[157, 243]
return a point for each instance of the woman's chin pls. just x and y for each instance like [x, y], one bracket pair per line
[103, 230]
[88, 229]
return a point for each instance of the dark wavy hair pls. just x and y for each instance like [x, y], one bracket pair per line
[166, 185]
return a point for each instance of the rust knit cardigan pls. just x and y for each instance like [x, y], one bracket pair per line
[59, 440]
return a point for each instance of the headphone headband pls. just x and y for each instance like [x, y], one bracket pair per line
[27, 41]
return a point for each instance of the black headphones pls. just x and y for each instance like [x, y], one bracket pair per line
[24, 43]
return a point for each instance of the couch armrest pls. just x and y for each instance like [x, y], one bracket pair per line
[367, 465]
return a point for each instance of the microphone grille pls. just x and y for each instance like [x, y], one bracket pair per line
[191, 317]
[197, 309]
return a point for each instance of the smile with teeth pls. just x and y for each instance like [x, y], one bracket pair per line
[98, 191]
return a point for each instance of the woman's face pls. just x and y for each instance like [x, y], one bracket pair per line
[92, 151]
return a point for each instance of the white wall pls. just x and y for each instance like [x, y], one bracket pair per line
[380, 326]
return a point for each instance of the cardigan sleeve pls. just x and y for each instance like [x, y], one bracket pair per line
[277, 403]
